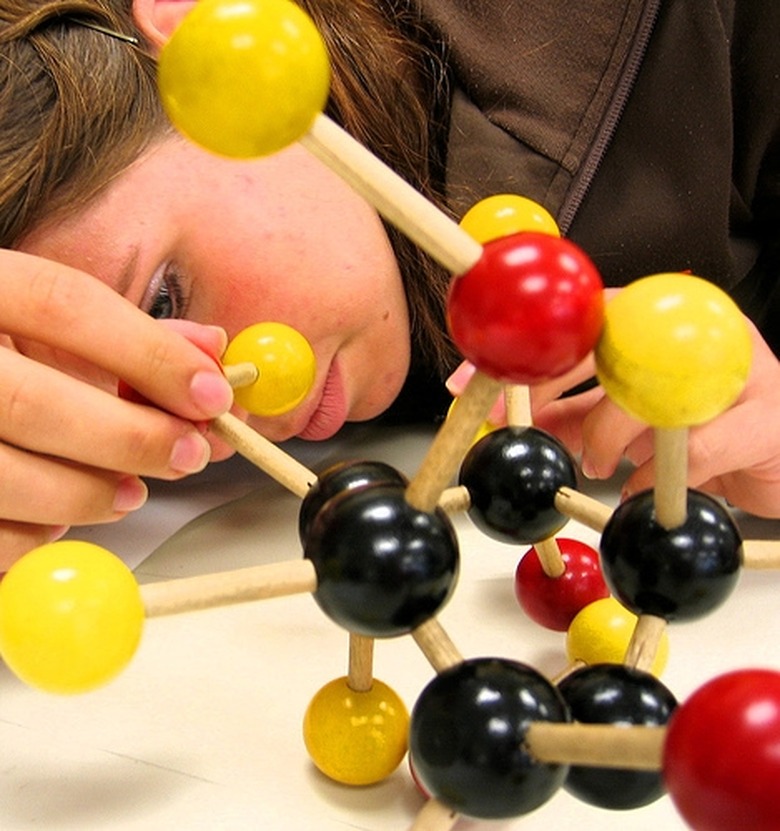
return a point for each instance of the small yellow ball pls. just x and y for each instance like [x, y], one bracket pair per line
[244, 78]
[285, 363]
[675, 350]
[601, 632]
[356, 738]
[506, 213]
[71, 617]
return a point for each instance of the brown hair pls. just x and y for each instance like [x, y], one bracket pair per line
[78, 106]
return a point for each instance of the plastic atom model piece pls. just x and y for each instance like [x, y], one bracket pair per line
[488, 736]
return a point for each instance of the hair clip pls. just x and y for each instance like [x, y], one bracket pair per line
[106, 31]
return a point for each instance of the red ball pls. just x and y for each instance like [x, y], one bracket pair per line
[554, 601]
[722, 753]
[530, 309]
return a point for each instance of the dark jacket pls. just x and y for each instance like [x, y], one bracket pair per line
[651, 130]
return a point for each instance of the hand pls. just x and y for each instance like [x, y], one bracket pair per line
[736, 455]
[72, 451]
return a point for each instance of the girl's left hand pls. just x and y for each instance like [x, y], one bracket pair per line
[735, 456]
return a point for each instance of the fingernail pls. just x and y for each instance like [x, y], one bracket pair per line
[588, 470]
[191, 453]
[211, 392]
[131, 494]
[222, 335]
[57, 532]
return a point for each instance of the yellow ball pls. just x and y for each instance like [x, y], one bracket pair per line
[71, 617]
[356, 738]
[675, 350]
[244, 78]
[285, 363]
[504, 214]
[601, 632]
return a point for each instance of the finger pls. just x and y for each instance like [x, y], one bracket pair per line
[607, 432]
[41, 489]
[212, 340]
[564, 417]
[738, 440]
[547, 391]
[68, 310]
[17, 538]
[45, 411]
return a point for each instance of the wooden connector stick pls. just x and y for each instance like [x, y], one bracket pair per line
[455, 500]
[360, 677]
[597, 745]
[434, 816]
[671, 476]
[398, 202]
[451, 442]
[586, 510]
[241, 375]
[643, 646]
[436, 645]
[517, 398]
[761, 554]
[289, 472]
[206, 591]
[550, 557]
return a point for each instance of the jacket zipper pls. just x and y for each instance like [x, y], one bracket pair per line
[590, 166]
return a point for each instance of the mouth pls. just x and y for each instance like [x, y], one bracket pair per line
[331, 411]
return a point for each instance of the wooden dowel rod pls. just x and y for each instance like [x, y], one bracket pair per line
[517, 398]
[584, 509]
[455, 500]
[436, 645]
[360, 677]
[550, 557]
[398, 202]
[761, 554]
[434, 816]
[597, 745]
[670, 493]
[644, 643]
[265, 454]
[241, 375]
[207, 591]
[451, 442]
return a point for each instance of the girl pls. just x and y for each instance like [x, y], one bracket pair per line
[95, 184]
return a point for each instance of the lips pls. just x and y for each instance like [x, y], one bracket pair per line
[331, 412]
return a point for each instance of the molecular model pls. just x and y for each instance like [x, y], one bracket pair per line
[488, 737]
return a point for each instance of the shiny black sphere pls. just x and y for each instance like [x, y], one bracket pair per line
[678, 574]
[467, 732]
[343, 476]
[616, 694]
[512, 476]
[383, 567]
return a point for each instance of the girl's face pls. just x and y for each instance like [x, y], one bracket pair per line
[186, 234]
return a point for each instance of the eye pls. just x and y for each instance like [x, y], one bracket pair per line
[166, 297]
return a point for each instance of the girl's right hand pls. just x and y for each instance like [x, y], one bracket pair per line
[71, 451]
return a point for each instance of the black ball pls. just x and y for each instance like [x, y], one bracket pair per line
[467, 732]
[342, 476]
[383, 567]
[512, 476]
[616, 694]
[678, 574]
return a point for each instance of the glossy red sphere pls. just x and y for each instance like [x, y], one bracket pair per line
[530, 309]
[722, 753]
[554, 601]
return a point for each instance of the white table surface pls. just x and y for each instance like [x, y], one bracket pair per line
[203, 729]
